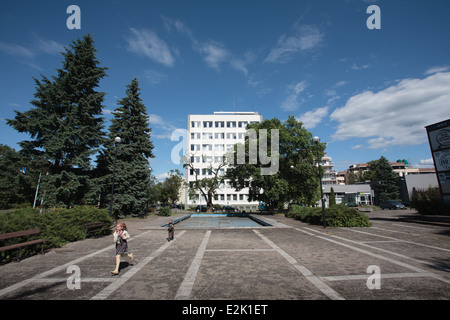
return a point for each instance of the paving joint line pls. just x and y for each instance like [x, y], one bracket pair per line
[185, 289]
[106, 292]
[316, 281]
[378, 256]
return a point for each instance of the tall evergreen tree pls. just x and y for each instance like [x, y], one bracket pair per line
[66, 124]
[132, 178]
[16, 185]
[382, 172]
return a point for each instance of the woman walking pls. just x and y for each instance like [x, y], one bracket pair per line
[121, 236]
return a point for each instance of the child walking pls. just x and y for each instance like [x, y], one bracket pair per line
[171, 230]
[121, 236]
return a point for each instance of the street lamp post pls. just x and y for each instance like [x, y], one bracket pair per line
[292, 176]
[316, 141]
[116, 141]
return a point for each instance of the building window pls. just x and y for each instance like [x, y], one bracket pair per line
[207, 159]
[219, 135]
[219, 124]
[207, 147]
[231, 124]
[207, 135]
[195, 124]
[207, 124]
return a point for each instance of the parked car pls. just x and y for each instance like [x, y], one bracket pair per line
[203, 208]
[351, 204]
[391, 204]
[229, 209]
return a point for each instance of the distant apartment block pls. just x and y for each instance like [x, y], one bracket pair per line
[329, 176]
[401, 167]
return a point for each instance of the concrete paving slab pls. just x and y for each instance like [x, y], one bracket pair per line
[290, 260]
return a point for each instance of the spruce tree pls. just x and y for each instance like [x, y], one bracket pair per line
[132, 177]
[387, 187]
[66, 124]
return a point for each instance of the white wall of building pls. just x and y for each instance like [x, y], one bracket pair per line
[209, 138]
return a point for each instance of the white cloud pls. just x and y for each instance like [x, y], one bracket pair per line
[437, 69]
[13, 49]
[214, 54]
[161, 125]
[291, 102]
[162, 176]
[154, 77]
[340, 84]
[360, 67]
[305, 38]
[147, 43]
[48, 46]
[427, 161]
[312, 118]
[27, 55]
[397, 115]
[241, 63]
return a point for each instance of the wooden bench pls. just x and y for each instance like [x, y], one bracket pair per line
[20, 234]
[142, 214]
[93, 227]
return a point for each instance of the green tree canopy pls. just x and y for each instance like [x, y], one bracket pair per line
[132, 179]
[382, 172]
[297, 177]
[65, 124]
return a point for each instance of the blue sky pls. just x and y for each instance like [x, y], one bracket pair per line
[367, 93]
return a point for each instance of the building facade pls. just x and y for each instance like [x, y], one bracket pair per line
[329, 176]
[210, 137]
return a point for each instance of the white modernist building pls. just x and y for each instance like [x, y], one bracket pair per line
[210, 137]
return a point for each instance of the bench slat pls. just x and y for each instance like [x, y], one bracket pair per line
[17, 234]
[23, 244]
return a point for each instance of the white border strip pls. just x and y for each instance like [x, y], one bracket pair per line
[385, 276]
[188, 282]
[23, 283]
[399, 263]
[102, 295]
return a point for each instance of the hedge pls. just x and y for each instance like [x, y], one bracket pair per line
[429, 202]
[336, 216]
[59, 228]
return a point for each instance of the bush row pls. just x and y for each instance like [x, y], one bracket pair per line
[429, 202]
[336, 216]
[59, 228]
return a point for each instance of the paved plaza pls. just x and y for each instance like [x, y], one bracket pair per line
[400, 257]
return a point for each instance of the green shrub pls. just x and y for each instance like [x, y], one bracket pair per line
[429, 202]
[164, 211]
[59, 227]
[336, 216]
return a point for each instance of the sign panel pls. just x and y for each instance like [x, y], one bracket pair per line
[439, 139]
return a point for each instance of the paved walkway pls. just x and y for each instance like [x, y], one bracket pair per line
[398, 258]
